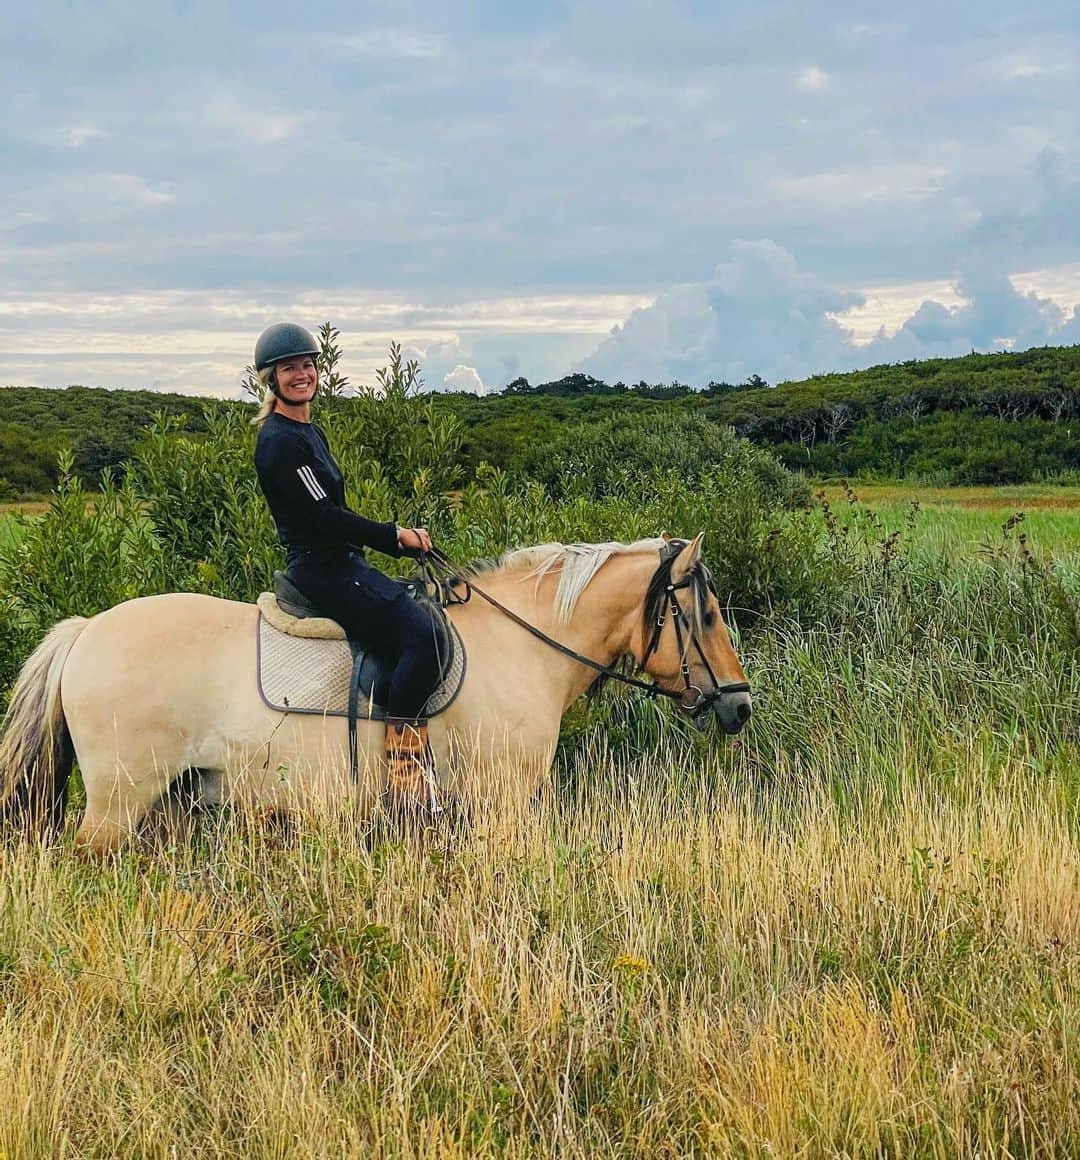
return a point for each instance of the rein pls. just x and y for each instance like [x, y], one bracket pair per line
[690, 698]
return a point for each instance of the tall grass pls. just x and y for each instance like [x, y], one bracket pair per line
[662, 963]
[9, 529]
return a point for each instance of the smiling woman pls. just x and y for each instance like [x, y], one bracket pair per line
[324, 543]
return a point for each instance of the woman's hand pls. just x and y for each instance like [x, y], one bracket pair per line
[414, 540]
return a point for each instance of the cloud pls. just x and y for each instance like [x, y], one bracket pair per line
[463, 378]
[136, 191]
[393, 148]
[995, 316]
[256, 122]
[888, 183]
[760, 313]
[69, 136]
[757, 314]
[511, 365]
[57, 337]
[388, 43]
[1044, 216]
[359, 154]
[437, 358]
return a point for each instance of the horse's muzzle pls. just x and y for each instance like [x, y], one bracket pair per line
[730, 710]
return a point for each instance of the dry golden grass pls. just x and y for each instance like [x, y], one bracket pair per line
[1030, 497]
[650, 967]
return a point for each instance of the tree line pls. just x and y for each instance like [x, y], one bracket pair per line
[999, 418]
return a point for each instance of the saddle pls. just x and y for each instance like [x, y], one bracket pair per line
[307, 663]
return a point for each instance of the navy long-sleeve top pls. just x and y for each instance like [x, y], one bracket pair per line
[306, 493]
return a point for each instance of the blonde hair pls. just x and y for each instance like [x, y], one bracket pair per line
[269, 399]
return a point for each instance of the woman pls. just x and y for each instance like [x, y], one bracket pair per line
[324, 543]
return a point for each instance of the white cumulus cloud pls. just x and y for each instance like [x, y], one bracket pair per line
[994, 316]
[463, 378]
[761, 314]
[758, 314]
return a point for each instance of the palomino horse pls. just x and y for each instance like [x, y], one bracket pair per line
[165, 685]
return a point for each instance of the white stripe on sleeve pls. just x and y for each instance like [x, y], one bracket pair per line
[315, 483]
[307, 478]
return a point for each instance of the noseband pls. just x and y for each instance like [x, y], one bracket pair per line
[691, 697]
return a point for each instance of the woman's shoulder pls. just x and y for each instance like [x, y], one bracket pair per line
[278, 433]
[278, 427]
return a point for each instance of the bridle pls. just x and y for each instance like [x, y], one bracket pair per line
[690, 698]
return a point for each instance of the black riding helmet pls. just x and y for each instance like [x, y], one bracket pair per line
[281, 341]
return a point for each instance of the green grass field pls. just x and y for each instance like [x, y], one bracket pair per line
[957, 521]
[962, 521]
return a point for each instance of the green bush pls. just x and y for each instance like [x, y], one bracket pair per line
[949, 447]
[613, 454]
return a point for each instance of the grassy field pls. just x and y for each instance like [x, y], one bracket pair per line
[960, 521]
[668, 967]
[953, 520]
[852, 930]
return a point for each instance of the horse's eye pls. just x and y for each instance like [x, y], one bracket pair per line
[709, 619]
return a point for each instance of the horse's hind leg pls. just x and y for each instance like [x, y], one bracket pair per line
[116, 804]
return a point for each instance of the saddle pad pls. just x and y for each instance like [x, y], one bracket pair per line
[301, 675]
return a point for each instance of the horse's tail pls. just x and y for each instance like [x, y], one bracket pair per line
[36, 753]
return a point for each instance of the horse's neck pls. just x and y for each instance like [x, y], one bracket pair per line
[601, 628]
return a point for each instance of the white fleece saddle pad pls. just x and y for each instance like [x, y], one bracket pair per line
[311, 675]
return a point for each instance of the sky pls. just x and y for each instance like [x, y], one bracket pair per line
[693, 191]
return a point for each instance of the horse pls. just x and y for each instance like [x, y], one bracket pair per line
[164, 687]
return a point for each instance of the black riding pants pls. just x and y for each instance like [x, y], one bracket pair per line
[378, 613]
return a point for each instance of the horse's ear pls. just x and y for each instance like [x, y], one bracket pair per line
[687, 560]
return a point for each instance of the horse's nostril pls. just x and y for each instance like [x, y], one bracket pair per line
[743, 711]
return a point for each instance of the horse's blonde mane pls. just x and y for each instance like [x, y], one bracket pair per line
[576, 564]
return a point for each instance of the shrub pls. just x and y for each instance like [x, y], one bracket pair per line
[611, 455]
